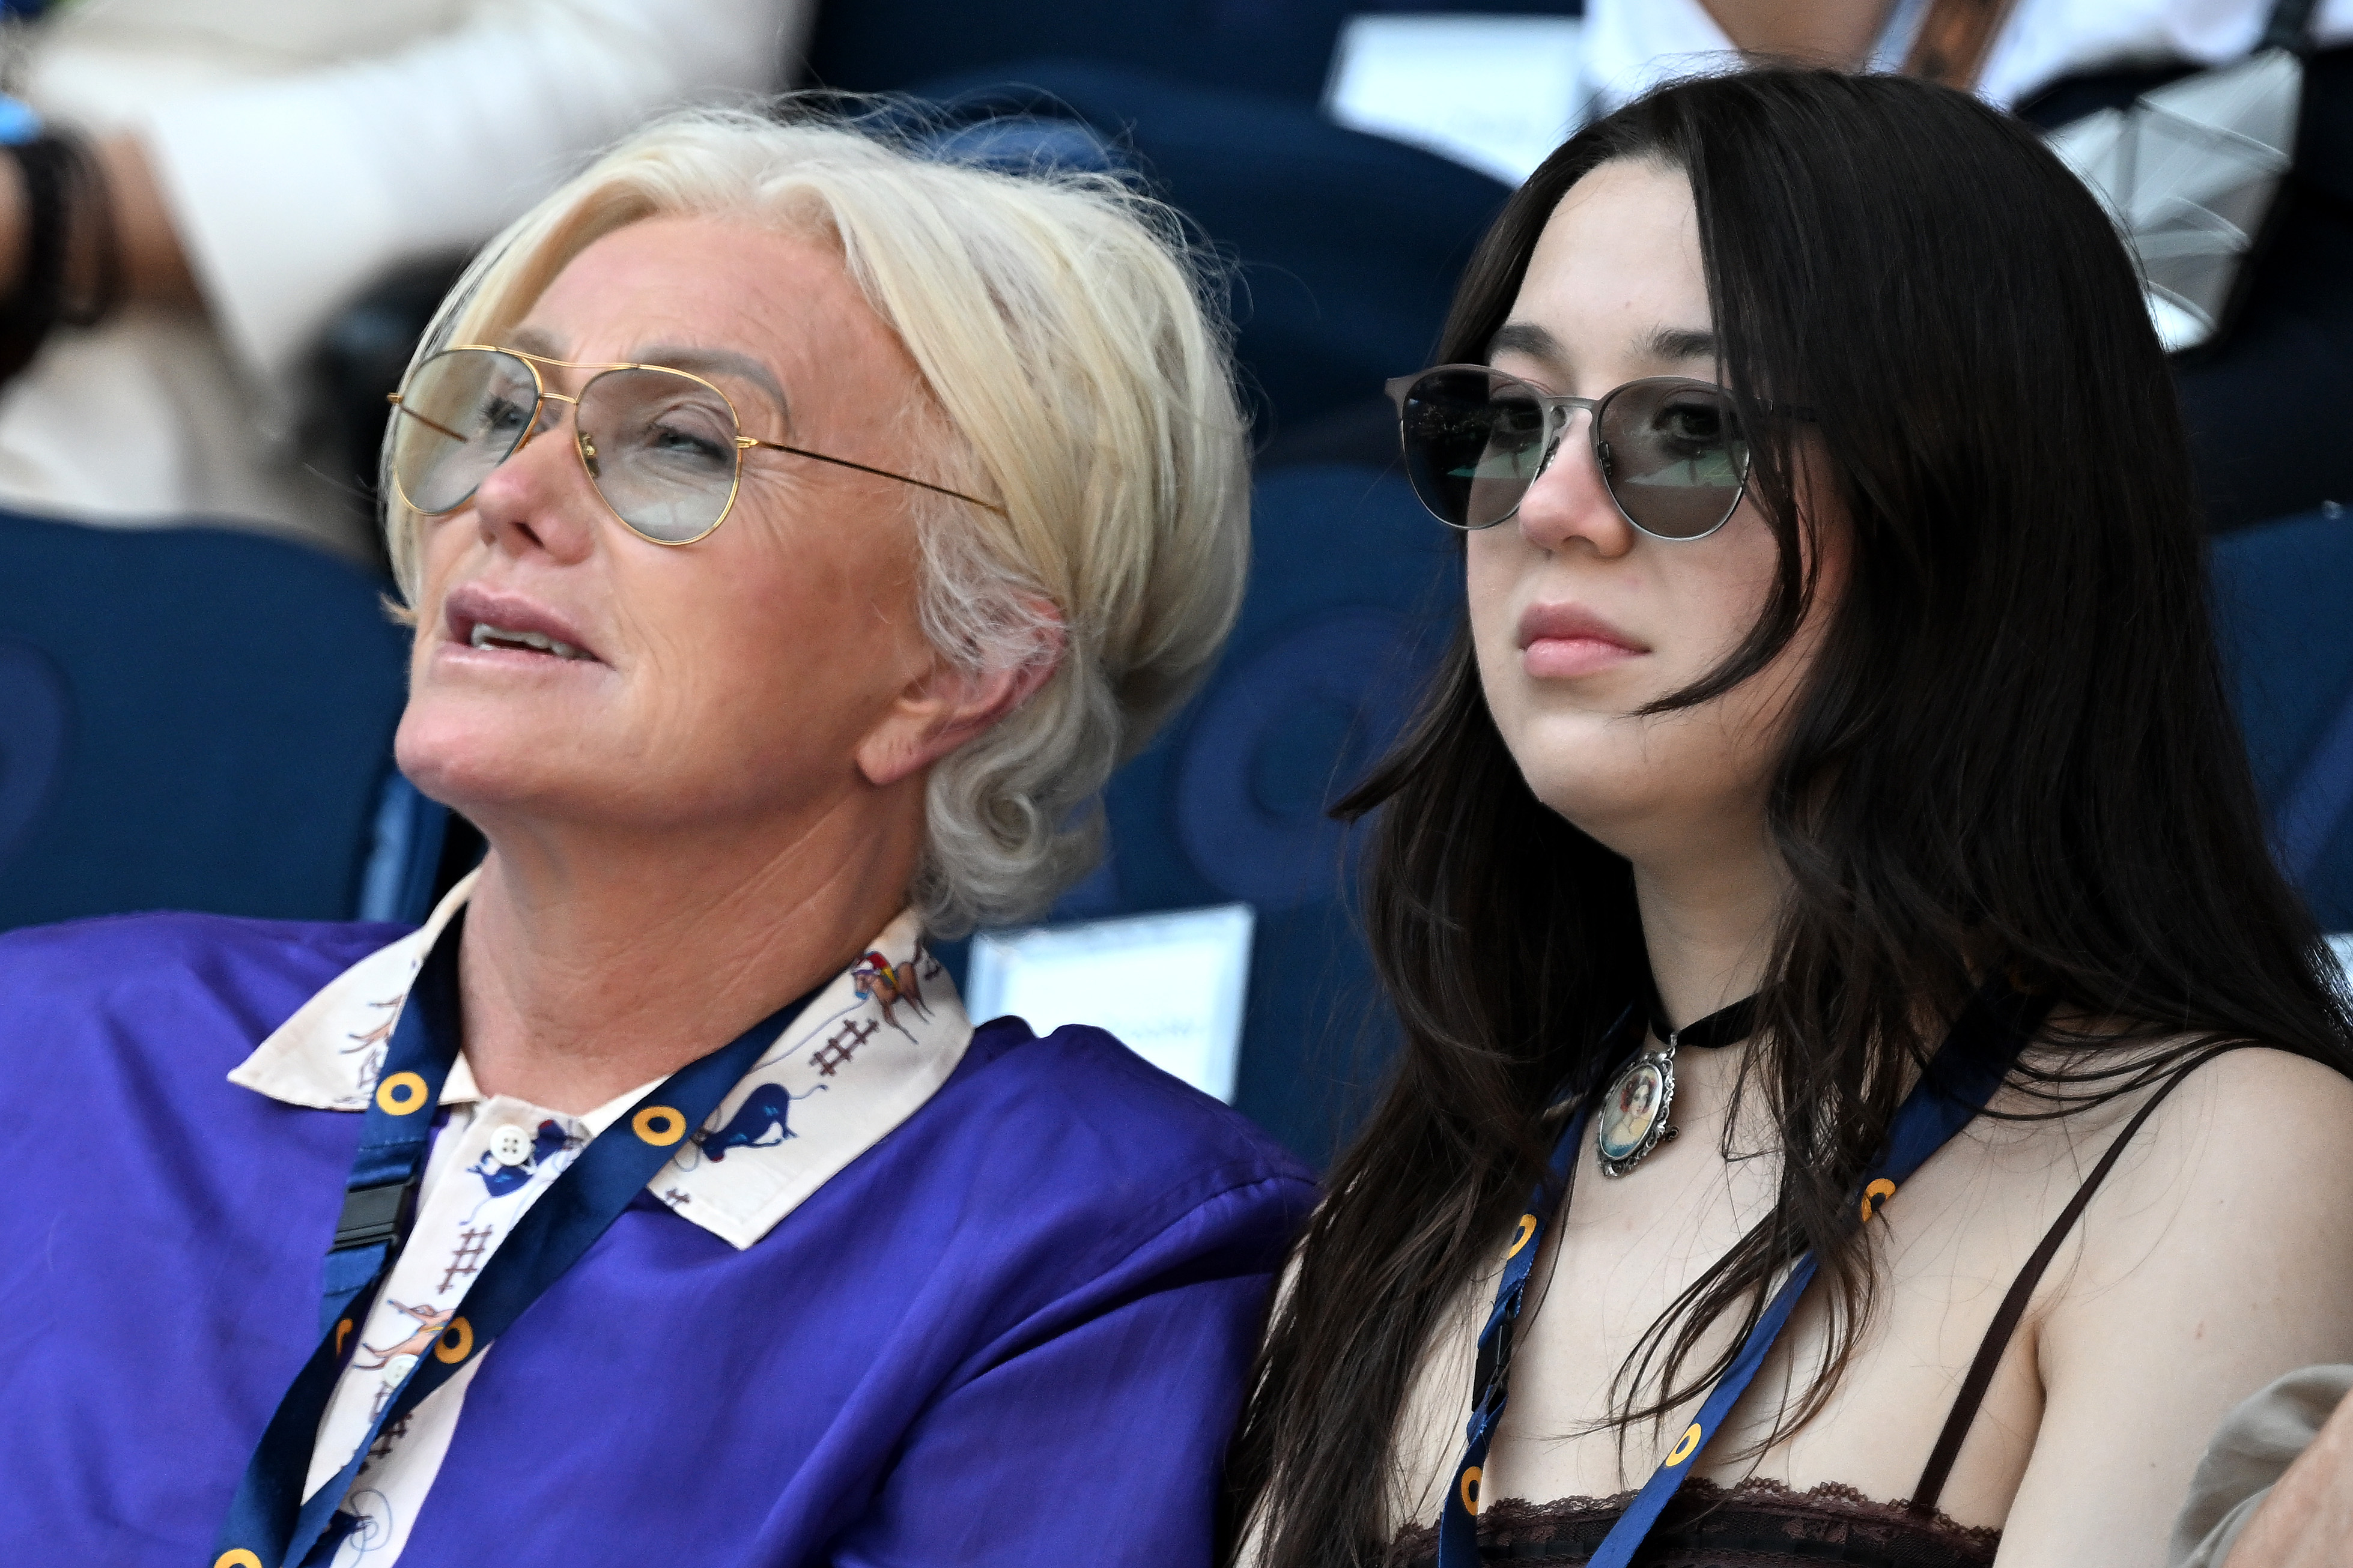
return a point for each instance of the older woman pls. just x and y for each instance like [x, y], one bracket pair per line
[798, 531]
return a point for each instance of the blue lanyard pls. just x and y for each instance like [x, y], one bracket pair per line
[1963, 1075]
[270, 1525]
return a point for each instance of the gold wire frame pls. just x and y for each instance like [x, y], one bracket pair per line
[586, 452]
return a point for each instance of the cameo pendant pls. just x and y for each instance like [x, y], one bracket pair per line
[1632, 1120]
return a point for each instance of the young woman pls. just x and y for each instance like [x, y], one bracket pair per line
[1825, 872]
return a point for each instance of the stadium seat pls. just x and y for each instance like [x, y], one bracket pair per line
[1279, 49]
[1353, 589]
[2283, 595]
[196, 719]
[1344, 248]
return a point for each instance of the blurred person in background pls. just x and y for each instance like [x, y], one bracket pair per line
[799, 530]
[2013, 51]
[2275, 1488]
[232, 175]
[1822, 1112]
[2052, 61]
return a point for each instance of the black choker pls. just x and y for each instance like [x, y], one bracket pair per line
[1632, 1118]
[1724, 1026]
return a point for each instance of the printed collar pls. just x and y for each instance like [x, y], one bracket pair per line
[876, 1044]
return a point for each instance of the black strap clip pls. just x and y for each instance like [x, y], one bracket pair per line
[375, 1216]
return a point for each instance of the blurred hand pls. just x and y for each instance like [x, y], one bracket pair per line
[12, 224]
[2307, 1521]
[154, 269]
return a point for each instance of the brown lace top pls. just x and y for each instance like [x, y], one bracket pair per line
[1757, 1524]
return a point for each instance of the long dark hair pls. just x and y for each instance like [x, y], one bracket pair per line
[2014, 748]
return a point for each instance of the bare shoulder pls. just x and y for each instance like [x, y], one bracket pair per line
[2241, 1176]
[2246, 1116]
[2217, 1257]
[2251, 1120]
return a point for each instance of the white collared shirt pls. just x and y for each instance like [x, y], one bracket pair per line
[1630, 46]
[877, 1042]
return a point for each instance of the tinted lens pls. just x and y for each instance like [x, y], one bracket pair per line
[1673, 455]
[661, 447]
[1473, 440]
[459, 415]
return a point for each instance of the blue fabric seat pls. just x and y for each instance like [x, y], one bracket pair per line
[197, 718]
[1345, 248]
[2284, 596]
[1352, 588]
[1279, 47]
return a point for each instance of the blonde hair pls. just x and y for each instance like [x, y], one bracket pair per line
[1066, 332]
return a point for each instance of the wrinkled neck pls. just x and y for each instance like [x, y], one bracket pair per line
[596, 961]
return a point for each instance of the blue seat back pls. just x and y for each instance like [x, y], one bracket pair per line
[1281, 47]
[1345, 247]
[190, 718]
[1353, 587]
[2284, 599]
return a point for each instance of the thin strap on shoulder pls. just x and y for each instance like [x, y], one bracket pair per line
[2013, 1306]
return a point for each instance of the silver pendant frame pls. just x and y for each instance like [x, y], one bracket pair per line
[1662, 1128]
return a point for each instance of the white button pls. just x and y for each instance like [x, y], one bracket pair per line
[510, 1145]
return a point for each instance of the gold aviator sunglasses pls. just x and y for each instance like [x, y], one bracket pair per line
[662, 447]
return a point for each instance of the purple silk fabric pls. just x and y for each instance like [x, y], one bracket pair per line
[1013, 1332]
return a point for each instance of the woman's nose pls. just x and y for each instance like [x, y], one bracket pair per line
[539, 498]
[1569, 500]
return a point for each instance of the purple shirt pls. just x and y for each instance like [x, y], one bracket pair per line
[1013, 1331]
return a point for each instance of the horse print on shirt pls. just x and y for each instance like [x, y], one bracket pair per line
[431, 1322]
[878, 979]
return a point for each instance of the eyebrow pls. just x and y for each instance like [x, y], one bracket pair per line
[1671, 344]
[718, 362]
[1527, 338]
[674, 356]
[531, 341]
[1679, 343]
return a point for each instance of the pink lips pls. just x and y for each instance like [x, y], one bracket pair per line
[515, 628]
[1558, 642]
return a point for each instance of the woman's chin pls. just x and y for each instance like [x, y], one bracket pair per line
[474, 768]
[1620, 808]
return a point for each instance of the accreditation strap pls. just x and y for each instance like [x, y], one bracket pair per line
[1959, 1079]
[270, 1524]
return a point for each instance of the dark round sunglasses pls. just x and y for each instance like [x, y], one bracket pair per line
[1670, 450]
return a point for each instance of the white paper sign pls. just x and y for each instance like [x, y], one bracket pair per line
[1171, 986]
[1498, 93]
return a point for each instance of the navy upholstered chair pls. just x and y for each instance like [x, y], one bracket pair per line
[1344, 248]
[193, 718]
[2283, 593]
[1281, 48]
[1352, 588]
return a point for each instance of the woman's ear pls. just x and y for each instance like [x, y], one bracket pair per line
[946, 706]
